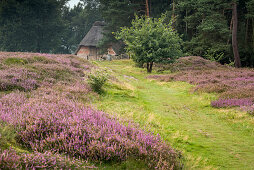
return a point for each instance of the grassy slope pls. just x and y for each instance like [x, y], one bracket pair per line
[208, 137]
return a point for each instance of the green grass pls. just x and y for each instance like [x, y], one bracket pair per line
[15, 61]
[209, 138]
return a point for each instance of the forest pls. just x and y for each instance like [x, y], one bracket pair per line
[219, 30]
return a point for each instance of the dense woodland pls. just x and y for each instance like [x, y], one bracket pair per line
[212, 29]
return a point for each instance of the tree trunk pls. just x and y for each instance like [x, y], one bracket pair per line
[149, 67]
[147, 9]
[173, 14]
[253, 32]
[230, 29]
[173, 10]
[186, 23]
[234, 36]
[246, 33]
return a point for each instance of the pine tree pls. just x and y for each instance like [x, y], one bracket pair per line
[30, 25]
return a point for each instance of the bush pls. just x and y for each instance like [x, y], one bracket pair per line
[10, 159]
[151, 41]
[97, 78]
[59, 125]
[231, 102]
[52, 119]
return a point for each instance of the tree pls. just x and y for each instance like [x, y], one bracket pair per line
[77, 22]
[234, 36]
[204, 26]
[207, 29]
[30, 25]
[118, 14]
[151, 41]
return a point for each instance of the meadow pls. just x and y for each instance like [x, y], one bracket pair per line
[47, 120]
[234, 86]
[208, 137]
[51, 118]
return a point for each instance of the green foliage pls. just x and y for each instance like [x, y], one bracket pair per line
[206, 27]
[214, 55]
[151, 40]
[30, 25]
[77, 22]
[17, 61]
[116, 14]
[7, 136]
[97, 78]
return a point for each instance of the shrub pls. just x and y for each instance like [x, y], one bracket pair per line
[193, 63]
[10, 159]
[53, 120]
[35, 70]
[231, 102]
[151, 41]
[249, 109]
[235, 86]
[97, 78]
[18, 78]
[59, 125]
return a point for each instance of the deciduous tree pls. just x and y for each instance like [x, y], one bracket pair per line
[151, 41]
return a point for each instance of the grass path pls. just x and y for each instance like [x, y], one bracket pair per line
[209, 138]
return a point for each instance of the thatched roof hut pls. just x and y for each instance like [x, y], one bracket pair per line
[95, 34]
[88, 47]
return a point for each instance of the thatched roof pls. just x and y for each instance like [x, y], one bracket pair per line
[95, 34]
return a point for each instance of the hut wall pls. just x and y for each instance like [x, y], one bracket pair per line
[88, 53]
[83, 52]
[93, 54]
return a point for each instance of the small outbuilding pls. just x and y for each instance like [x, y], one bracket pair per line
[88, 47]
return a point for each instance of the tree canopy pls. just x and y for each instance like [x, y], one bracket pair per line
[151, 40]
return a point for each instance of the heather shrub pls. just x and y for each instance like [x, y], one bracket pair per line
[41, 59]
[97, 78]
[17, 78]
[248, 109]
[192, 63]
[234, 86]
[1, 66]
[59, 125]
[231, 102]
[35, 70]
[10, 159]
[49, 117]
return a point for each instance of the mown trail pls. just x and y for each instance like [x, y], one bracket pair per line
[209, 138]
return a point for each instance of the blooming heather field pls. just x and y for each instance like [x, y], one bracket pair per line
[235, 86]
[45, 124]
